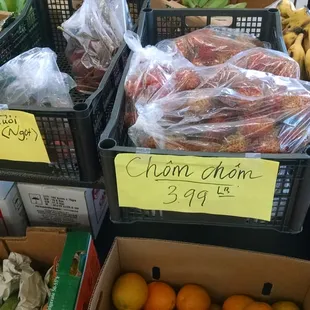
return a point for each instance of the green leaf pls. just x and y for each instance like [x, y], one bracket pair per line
[195, 2]
[202, 3]
[20, 4]
[11, 5]
[191, 4]
[241, 5]
[3, 6]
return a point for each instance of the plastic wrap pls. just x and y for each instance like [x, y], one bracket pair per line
[33, 78]
[153, 67]
[94, 32]
[212, 45]
[266, 60]
[239, 111]
[150, 68]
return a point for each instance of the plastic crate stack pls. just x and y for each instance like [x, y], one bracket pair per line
[291, 197]
[70, 135]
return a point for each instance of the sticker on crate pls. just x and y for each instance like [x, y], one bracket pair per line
[242, 187]
[20, 138]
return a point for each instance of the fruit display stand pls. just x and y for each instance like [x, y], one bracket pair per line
[221, 230]
[289, 207]
[70, 135]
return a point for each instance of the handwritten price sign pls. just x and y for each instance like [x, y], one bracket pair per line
[20, 138]
[241, 187]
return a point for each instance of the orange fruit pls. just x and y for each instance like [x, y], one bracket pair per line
[258, 306]
[237, 302]
[129, 292]
[284, 305]
[193, 297]
[161, 297]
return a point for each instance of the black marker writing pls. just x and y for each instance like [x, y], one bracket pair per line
[152, 170]
[174, 195]
[22, 134]
[223, 173]
[8, 120]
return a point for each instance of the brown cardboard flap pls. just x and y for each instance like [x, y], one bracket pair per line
[252, 4]
[101, 298]
[41, 244]
[306, 303]
[222, 271]
[201, 21]
[4, 252]
[5, 15]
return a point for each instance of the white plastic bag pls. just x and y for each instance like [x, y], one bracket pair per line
[211, 46]
[232, 110]
[94, 32]
[33, 78]
[266, 60]
[32, 292]
[150, 68]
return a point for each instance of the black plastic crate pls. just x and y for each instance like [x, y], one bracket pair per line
[158, 25]
[21, 35]
[70, 135]
[292, 195]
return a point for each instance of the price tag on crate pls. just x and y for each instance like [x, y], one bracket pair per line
[241, 187]
[20, 138]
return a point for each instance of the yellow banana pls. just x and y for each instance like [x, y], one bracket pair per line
[297, 52]
[286, 8]
[300, 19]
[303, 12]
[307, 64]
[297, 30]
[289, 39]
[306, 41]
[284, 23]
[296, 24]
[290, 36]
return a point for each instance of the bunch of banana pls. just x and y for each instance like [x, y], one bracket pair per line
[296, 34]
[213, 4]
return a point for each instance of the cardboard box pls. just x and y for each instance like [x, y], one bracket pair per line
[77, 273]
[255, 4]
[252, 4]
[4, 16]
[42, 245]
[200, 21]
[13, 219]
[222, 271]
[64, 206]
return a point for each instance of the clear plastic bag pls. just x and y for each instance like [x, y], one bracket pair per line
[212, 45]
[150, 68]
[94, 32]
[266, 60]
[240, 111]
[33, 78]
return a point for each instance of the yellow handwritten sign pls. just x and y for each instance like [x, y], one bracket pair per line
[241, 187]
[20, 138]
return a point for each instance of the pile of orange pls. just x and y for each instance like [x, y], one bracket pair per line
[131, 292]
